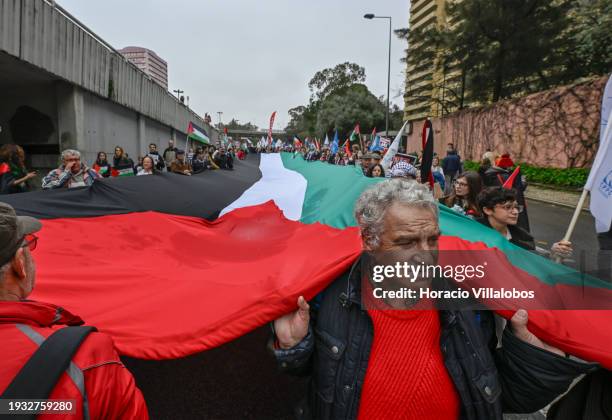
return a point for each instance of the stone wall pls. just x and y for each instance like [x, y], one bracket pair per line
[555, 128]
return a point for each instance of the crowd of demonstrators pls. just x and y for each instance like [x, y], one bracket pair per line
[362, 360]
[464, 189]
[72, 173]
[106, 388]
[14, 175]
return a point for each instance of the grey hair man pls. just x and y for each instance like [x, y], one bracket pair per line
[371, 363]
[72, 173]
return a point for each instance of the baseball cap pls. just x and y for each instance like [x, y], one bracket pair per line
[12, 230]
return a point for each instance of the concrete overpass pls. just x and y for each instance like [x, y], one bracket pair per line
[64, 87]
[255, 135]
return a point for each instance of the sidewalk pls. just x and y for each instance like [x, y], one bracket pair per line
[559, 197]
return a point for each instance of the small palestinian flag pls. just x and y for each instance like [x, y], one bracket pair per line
[355, 135]
[172, 265]
[197, 133]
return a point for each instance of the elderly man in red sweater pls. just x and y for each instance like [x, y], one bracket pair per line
[401, 364]
[96, 382]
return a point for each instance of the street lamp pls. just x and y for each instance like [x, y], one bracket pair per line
[373, 16]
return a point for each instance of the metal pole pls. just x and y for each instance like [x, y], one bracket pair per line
[572, 225]
[388, 81]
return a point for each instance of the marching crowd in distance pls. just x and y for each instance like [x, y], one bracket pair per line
[475, 194]
[74, 172]
[479, 195]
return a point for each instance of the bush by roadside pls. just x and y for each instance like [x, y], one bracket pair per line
[558, 177]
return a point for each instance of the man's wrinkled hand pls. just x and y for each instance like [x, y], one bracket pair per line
[293, 327]
[519, 326]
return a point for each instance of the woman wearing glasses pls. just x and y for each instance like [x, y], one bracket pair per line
[464, 197]
[501, 211]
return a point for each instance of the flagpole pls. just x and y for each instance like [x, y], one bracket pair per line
[572, 225]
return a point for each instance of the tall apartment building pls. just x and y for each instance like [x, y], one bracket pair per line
[149, 62]
[423, 79]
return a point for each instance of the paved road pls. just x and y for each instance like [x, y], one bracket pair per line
[548, 224]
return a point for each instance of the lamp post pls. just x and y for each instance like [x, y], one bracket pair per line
[373, 16]
[178, 93]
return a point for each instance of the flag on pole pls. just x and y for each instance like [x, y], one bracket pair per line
[297, 142]
[427, 159]
[334, 148]
[386, 161]
[326, 142]
[317, 145]
[270, 128]
[599, 182]
[347, 148]
[509, 183]
[197, 133]
[375, 145]
[355, 135]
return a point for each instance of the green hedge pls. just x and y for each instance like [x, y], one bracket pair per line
[571, 177]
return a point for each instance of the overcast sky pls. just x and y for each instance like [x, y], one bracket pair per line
[248, 58]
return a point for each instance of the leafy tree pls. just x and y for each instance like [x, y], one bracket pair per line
[342, 109]
[590, 38]
[495, 49]
[340, 100]
[330, 80]
[302, 121]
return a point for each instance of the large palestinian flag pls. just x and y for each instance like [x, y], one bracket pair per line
[227, 251]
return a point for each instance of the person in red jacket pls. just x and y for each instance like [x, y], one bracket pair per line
[96, 380]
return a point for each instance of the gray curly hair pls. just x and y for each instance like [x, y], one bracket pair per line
[371, 206]
[70, 152]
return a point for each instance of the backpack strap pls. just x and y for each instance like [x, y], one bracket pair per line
[40, 374]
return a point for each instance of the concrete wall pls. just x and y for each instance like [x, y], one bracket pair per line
[555, 128]
[38, 33]
[106, 125]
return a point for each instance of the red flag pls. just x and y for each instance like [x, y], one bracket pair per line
[225, 130]
[317, 145]
[510, 181]
[347, 148]
[270, 129]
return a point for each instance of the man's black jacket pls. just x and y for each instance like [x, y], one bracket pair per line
[517, 377]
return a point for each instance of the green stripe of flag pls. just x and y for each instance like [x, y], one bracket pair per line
[330, 198]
